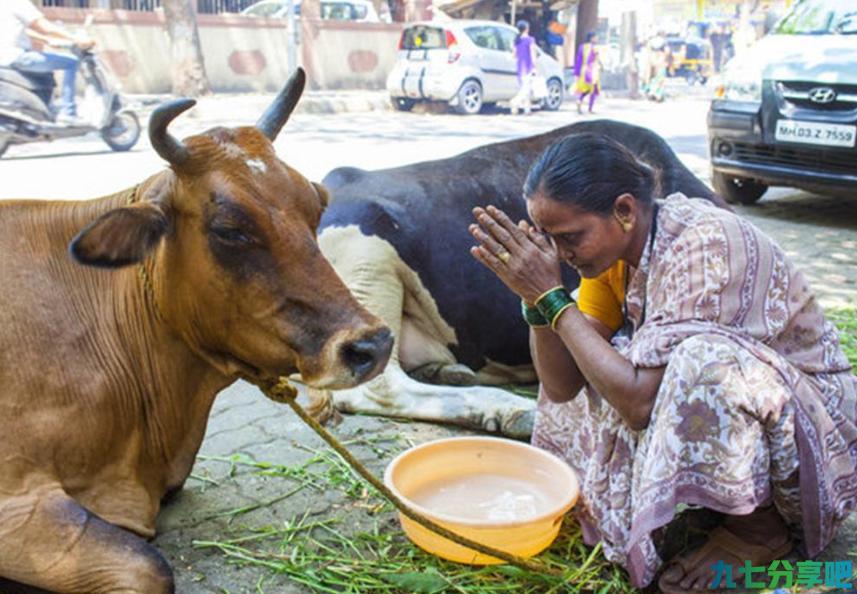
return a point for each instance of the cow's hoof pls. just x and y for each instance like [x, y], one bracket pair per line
[320, 406]
[491, 426]
[519, 424]
[444, 374]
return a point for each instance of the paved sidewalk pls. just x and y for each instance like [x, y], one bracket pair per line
[225, 105]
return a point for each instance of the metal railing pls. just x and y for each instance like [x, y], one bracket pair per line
[202, 6]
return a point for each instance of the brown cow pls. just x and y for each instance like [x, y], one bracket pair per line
[201, 274]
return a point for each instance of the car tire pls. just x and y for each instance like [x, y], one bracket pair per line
[737, 190]
[403, 103]
[556, 93]
[469, 98]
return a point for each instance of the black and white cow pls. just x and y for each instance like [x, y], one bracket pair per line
[398, 238]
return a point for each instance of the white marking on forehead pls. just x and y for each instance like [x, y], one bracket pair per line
[233, 150]
[257, 164]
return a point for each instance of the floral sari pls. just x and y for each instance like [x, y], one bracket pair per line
[756, 388]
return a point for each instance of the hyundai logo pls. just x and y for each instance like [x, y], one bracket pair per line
[822, 95]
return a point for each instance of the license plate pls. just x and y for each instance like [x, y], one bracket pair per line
[417, 55]
[816, 133]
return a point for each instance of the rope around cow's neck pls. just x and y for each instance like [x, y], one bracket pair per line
[283, 391]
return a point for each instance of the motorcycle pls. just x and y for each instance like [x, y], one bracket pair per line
[26, 114]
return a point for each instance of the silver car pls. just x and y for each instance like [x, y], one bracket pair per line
[467, 63]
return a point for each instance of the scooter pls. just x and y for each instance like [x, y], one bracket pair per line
[26, 114]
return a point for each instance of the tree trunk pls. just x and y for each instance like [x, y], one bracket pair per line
[629, 55]
[188, 67]
[587, 20]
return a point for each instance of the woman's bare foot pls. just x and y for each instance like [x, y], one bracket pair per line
[760, 537]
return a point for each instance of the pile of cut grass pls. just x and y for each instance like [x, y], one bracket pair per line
[341, 552]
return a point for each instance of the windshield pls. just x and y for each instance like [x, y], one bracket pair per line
[422, 37]
[820, 17]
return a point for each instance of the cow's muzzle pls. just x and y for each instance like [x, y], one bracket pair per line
[367, 356]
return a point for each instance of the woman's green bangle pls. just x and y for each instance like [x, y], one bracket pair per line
[532, 316]
[556, 316]
[552, 303]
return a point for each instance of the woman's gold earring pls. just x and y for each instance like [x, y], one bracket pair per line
[627, 226]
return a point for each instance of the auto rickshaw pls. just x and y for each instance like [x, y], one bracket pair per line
[690, 59]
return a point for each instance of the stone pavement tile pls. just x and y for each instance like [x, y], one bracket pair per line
[231, 105]
[236, 440]
[196, 506]
[817, 233]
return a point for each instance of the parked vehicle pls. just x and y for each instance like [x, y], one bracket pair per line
[26, 113]
[333, 10]
[690, 59]
[468, 63]
[786, 113]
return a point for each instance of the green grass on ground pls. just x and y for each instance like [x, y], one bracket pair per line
[339, 554]
[846, 321]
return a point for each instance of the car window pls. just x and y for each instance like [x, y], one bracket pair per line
[423, 37]
[263, 10]
[359, 11]
[336, 11]
[484, 37]
[507, 39]
[822, 17]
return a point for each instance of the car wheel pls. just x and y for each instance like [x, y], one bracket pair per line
[469, 98]
[123, 132]
[555, 95]
[403, 103]
[737, 190]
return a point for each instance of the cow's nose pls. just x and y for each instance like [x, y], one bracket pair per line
[368, 356]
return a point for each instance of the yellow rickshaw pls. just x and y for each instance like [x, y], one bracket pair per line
[690, 59]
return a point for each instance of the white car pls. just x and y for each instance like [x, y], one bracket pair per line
[467, 63]
[335, 10]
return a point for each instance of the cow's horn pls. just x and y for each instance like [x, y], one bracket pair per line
[277, 114]
[172, 150]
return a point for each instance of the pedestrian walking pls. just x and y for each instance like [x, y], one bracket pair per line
[525, 56]
[587, 69]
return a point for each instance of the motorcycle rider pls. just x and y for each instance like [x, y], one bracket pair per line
[20, 21]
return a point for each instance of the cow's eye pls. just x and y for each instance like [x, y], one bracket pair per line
[231, 235]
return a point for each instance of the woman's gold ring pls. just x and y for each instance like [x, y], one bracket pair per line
[504, 256]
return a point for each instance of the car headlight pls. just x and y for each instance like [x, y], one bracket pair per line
[740, 84]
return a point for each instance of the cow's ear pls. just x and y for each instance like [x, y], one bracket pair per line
[323, 194]
[121, 236]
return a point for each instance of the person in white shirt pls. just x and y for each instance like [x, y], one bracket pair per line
[20, 21]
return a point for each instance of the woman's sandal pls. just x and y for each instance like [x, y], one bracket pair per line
[731, 546]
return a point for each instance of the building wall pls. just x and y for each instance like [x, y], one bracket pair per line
[241, 54]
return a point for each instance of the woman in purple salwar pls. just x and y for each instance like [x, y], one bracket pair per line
[525, 56]
[587, 69]
[723, 388]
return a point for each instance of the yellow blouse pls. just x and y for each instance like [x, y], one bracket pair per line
[602, 297]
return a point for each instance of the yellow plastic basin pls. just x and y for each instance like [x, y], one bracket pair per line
[498, 492]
